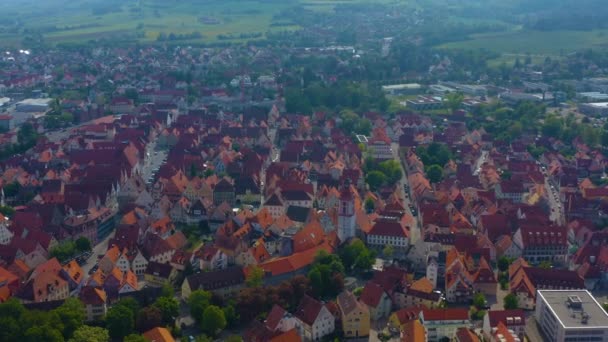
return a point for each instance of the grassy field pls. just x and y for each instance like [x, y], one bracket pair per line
[144, 20]
[540, 43]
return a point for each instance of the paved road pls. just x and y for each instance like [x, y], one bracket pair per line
[100, 248]
[274, 157]
[555, 205]
[155, 158]
[482, 159]
[404, 181]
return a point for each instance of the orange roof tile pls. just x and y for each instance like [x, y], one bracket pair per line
[413, 331]
[295, 261]
[308, 237]
[158, 334]
[289, 336]
[113, 254]
[162, 226]
[74, 271]
[130, 279]
[177, 240]
[422, 285]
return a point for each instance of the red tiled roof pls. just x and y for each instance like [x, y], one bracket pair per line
[289, 336]
[510, 318]
[537, 235]
[387, 227]
[274, 317]
[466, 335]
[409, 314]
[372, 294]
[309, 310]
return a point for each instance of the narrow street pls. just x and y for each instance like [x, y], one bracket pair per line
[273, 157]
[99, 249]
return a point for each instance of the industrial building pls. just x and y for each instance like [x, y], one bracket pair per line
[594, 109]
[570, 316]
[33, 105]
[402, 89]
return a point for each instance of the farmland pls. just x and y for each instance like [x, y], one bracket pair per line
[534, 42]
[196, 21]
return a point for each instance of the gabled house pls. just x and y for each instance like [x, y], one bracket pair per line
[377, 300]
[313, 319]
[524, 281]
[157, 274]
[224, 192]
[419, 292]
[224, 283]
[211, 258]
[45, 283]
[354, 315]
[280, 320]
[466, 274]
[95, 301]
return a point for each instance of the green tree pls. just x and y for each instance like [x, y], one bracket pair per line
[255, 278]
[388, 251]
[369, 204]
[510, 302]
[546, 264]
[90, 334]
[167, 290]
[479, 300]
[435, 173]
[234, 338]
[375, 179]
[453, 101]
[72, 315]
[134, 338]
[169, 308]
[148, 318]
[392, 170]
[324, 275]
[120, 321]
[83, 244]
[129, 303]
[213, 320]
[44, 333]
[64, 251]
[7, 211]
[356, 256]
[232, 317]
[503, 263]
[198, 301]
[552, 127]
[12, 320]
[12, 189]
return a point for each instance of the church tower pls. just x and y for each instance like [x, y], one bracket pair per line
[346, 214]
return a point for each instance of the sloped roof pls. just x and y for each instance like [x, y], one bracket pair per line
[372, 294]
[158, 334]
[308, 310]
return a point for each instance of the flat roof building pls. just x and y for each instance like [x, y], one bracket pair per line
[570, 315]
[593, 96]
[33, 105]
[425, 103]
[596, 108]
[402, 89]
